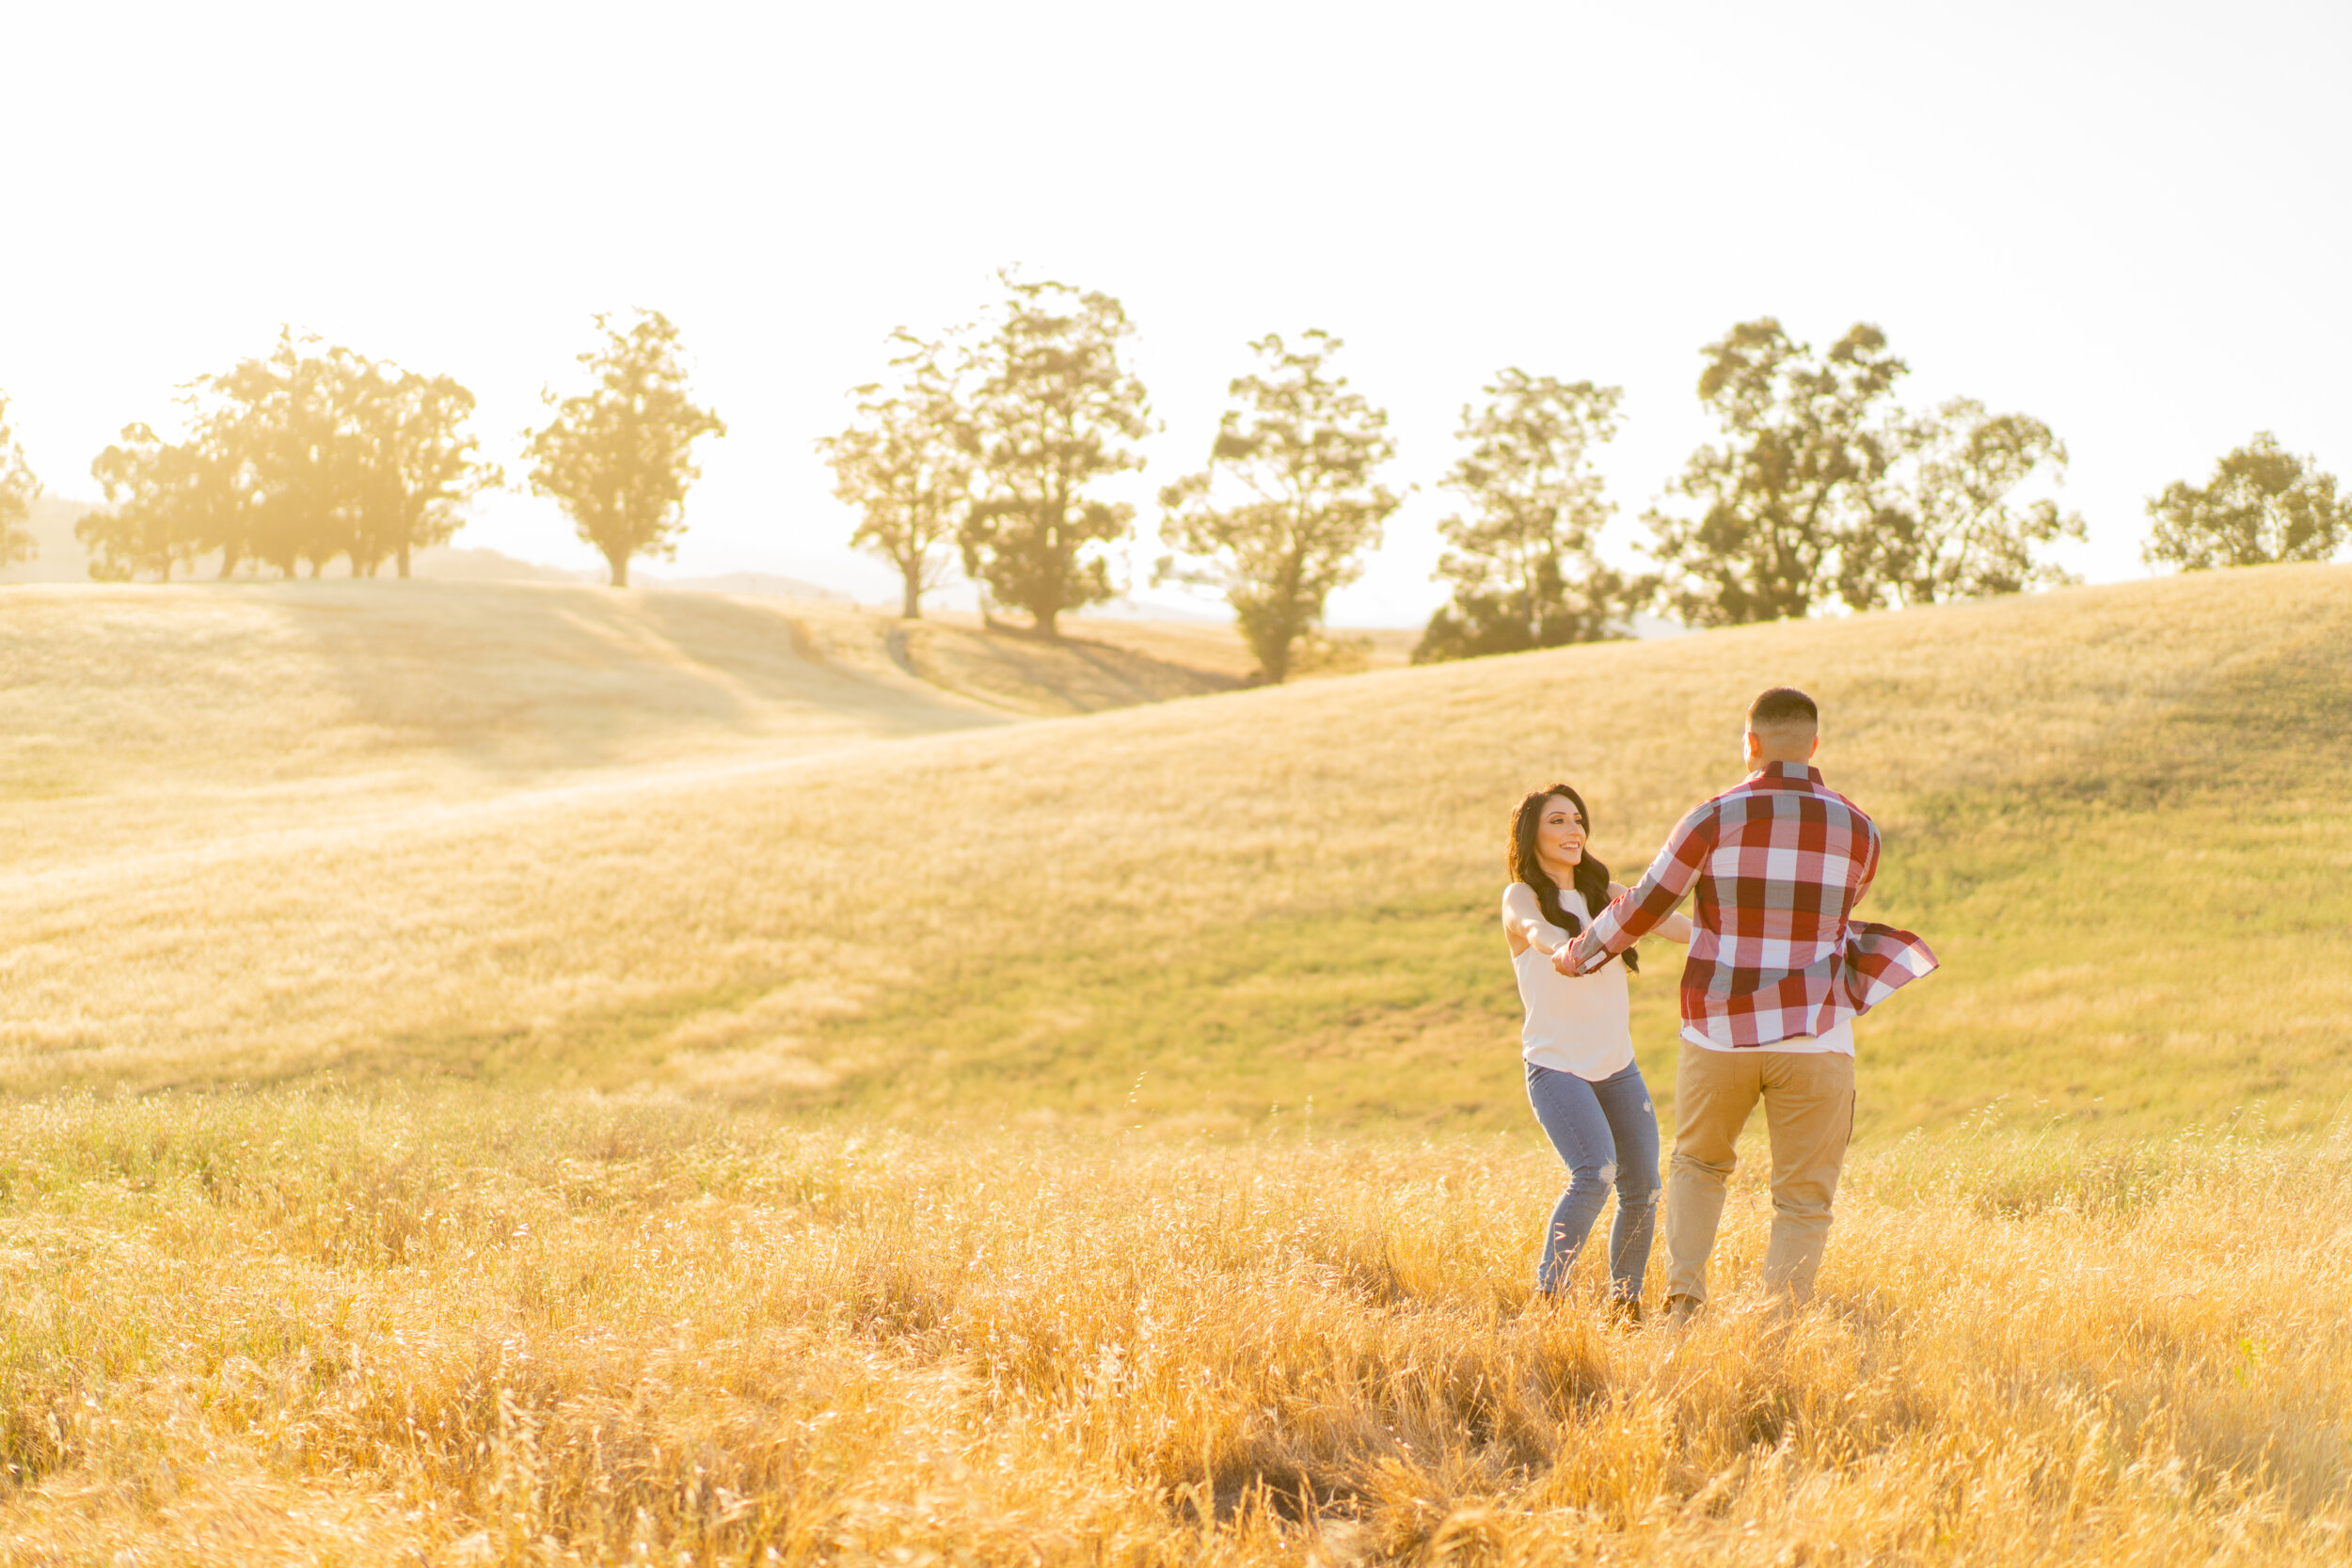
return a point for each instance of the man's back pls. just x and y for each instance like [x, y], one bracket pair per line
[1778, 863]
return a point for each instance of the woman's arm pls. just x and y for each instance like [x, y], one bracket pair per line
[1675, 928]
[1523, 922]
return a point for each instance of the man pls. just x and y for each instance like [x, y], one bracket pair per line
[1778, 972]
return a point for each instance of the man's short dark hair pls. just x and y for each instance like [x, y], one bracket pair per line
[1783, 707]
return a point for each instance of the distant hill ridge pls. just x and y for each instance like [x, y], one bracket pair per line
[62, 559]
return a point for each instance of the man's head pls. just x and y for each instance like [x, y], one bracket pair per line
[1783, 726]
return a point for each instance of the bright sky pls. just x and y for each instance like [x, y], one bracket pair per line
[2127, 220]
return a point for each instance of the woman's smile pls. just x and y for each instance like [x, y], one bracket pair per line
[1559, 836]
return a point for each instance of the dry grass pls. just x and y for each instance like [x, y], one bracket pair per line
[300, 1329]
[2117, 813]
[138, 715]
[752, 1103]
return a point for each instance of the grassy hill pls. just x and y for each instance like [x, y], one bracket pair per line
[641, 856]
[653, 1083]
[140, 716]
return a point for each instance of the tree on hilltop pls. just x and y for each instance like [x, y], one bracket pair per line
[1523, 558]
[906, 463]
[1300, 506]
[296, 457]
[274, 426]
[168, 504]
[1054, 412]
[1946, 525]
[19, 489]
[418, 464]
[2264, 504]
[1794, 479]
[619, 458]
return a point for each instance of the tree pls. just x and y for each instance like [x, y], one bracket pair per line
[619, 458]
[2263, 504]
[1946, 525]
[292, 459]
[18, 490]
[168, 504]
[1052, 415]
[275, 432]
[1794, 483]
[417, 464]
[1300, 508]
[905, 465]
[1523, 560]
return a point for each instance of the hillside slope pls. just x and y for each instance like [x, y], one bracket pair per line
[138, 713]
[2116, 811]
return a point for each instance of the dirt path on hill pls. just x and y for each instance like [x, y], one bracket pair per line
[412, 821]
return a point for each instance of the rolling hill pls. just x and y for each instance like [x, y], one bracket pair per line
[518, 833]
[137, 714]
[532, 1076]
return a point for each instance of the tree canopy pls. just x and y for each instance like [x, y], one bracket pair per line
[418, 465]
[297, 458]
[906, 463]
[1288, 505]
[19, 489]
[1805, 442]
[2264, 504]
[1523, 555]
[1947, 524]
[1054, 413]
[168, 505]
[619, 457]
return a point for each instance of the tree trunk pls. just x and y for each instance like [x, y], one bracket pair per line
[618, 566]
[404, 558]
[911, 607]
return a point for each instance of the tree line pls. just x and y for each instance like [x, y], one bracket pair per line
[983, 444]
[986, 446]
[313, 453]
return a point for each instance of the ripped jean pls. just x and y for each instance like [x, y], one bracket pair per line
[1606, 1132]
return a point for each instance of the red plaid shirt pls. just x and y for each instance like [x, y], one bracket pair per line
[1780, 861]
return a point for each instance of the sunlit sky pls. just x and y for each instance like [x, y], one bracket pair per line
[2129, 220]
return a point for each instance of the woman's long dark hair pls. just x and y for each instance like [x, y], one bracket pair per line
[1591, 878]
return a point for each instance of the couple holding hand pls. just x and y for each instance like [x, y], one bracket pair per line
[1778, 972]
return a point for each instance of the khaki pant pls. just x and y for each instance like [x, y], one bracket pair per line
[1808, 1114]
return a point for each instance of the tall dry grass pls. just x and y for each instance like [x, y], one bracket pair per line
[301, 1328]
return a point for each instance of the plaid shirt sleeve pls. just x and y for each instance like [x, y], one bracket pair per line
[1632, 914]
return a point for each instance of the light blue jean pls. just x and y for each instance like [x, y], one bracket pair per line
[1606, 1132]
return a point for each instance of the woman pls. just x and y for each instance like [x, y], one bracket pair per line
[1577, 1046]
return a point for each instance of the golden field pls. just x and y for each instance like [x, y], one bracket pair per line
[283, 1328]
[663, 850]
[539, 1075]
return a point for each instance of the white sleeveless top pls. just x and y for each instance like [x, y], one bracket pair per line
[1575, 1023]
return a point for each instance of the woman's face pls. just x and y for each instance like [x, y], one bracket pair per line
[1560, 832]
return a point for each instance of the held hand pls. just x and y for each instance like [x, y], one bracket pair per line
[1564, 960]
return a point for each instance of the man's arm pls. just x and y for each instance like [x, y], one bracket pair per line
[1675, 928]
[1628, 916]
